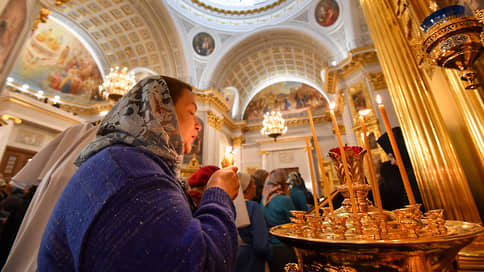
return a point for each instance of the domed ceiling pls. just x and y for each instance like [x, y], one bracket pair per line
[255, 42]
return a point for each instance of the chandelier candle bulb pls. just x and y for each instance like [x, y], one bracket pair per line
[369, 160]
[321, 164]
[396, 151]
[349, 183]
[313, 183]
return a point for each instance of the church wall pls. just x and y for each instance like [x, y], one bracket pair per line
[31, 137]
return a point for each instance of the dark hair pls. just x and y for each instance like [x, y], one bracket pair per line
[176, 87]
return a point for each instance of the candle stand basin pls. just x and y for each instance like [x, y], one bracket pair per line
[401, 255]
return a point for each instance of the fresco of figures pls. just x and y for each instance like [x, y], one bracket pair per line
[290, 98]
[55, 61]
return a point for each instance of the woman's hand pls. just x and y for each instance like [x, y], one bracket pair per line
[227, 180]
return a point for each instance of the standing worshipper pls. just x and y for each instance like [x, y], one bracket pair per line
[392, 189]
[297, 190]
[277, 206]
[260, 177]
[50, 169]
[124, 209]
[254, 244]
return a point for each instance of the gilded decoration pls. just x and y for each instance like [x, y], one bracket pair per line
[238, 140]
[5, 117]
[238, 12]
[43, 16]
[358, 99]
[377, 81]
[191, 168]
[212, 97]
[214, 120]
[356, 59]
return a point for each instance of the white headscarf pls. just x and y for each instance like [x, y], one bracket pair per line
[244, 180]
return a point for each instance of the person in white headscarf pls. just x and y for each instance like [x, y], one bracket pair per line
[50, 169]
[254, 244]
[125, 210]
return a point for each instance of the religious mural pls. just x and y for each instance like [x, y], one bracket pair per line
[203, 44]
[12, 19]
[290, 98]
[326, 12]
[55, 61]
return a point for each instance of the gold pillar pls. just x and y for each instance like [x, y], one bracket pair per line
[440, 174]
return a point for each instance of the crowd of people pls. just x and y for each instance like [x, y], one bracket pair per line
[109, 197]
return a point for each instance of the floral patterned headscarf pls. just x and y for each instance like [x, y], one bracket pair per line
[146, 118]
[274, 185]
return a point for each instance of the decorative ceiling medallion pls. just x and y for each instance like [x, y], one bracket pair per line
[233, 7]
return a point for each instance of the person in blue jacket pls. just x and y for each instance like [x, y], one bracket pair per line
[297, 190]
[254, 244]
[125, 210]
[277, 205]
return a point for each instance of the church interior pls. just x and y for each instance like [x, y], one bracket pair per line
[319, 63]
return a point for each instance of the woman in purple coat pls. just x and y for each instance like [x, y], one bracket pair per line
[124, 209]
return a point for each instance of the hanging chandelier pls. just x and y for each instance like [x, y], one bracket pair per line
[117, 83]
[273, 125]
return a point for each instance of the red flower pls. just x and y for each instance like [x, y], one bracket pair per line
[356, 149]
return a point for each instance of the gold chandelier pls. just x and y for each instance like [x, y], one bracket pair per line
[273, 125]
[117, 83]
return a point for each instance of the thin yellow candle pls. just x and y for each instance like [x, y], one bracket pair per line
[313, 183]
[369, 161]
[332, 105]
[321, 163]
[396, 152]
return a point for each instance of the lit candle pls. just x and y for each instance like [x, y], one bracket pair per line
[229, 157]
[349, 183]
[396, 151]
[313, 183]
[321, 164]
[369, 161]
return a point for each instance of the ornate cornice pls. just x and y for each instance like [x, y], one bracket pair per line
[377, 81]
[214, 120]
[294, 122]
[77, 108]
[30, 105]
[212, 97]
[356, 59]
[238, 140]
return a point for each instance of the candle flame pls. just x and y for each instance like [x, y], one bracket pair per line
[364, 112]
[332, 105]
[229, 150]
[378, 99]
